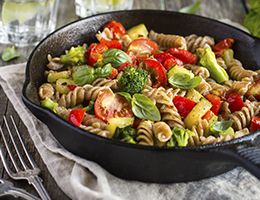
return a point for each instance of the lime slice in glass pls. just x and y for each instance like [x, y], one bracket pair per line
[22, 12]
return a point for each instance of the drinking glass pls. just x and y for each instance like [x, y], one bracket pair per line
[86, 8]
[25, 22]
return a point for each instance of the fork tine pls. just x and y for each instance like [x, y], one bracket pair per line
[9, 153]
[22, 143]
[15, 146]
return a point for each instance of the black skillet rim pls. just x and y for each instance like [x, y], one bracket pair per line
[246, 138]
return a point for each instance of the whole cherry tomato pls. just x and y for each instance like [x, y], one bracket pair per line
[116, 28]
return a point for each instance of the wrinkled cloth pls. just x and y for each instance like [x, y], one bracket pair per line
[81, 179]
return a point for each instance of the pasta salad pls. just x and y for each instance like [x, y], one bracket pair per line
[154, 89]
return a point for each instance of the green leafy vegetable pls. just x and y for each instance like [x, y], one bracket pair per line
[126, 134]
[126, 95]
[252, 19]
[208, 60]
[86, 75]
[171, 143]
[115, 57]
[83, 75]
[144, 108]
[74, 56]
[49, 104]
[133, 80]
[191, 9]
[184, 81]
[181, 136]
[220, 127]
[9, 54]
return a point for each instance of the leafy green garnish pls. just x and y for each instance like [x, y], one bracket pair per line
[191, 9]
[86, 75]
[126, 95]
[144, 108]
[220, 127]
[9, 54]
[115, 57]
[184, 81]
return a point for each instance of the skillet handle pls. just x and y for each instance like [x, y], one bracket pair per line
[246, 154]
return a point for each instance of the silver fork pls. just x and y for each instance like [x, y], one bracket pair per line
[7, 188]
[27, 173]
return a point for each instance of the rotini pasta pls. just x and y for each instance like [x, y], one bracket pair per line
[194, 42]
[145, 133]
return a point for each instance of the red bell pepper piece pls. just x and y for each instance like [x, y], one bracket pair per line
[111, 43]
[223, 44]
[208, 115]
[183, 55]
[71, 87]
[113, 74]
[76, 116]
[215, 101]
[235, 101]
[255, 123]
[183, 105]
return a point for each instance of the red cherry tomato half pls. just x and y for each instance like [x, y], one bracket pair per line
[111, 43]
[76, 116]
[109, 105]
[215, 101]
[95, 52]
[169, 63]
[183, 105]
[113, 74]
[255, 123]
[116, 28]
[235, 101]
[183, 55]
[142, 47]
[157, 71]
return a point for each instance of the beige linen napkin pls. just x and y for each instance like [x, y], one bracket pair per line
[86, 180]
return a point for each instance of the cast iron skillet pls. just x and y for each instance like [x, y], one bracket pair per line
[136, 162]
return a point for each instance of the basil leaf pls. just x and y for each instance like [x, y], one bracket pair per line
[184, 81]
[103, 72]
[9, 54]
[191, 9]
[83, 75]
[115, 57]
[220, 127]
[144, 108]
[126, 95]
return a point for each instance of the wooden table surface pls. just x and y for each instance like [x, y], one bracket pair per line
[230, 9]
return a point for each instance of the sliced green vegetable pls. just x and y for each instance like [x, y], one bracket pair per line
[181, 136]
[179, 70]
[208, 60]
[197, 113]
[228, 55]
[194, 95]
[53, 76]
[126, 95]
[220, 127]
[9, 54]
[119, 122]
[115, 57]
[49, 104]
[74, 56]
[191, 9]
[137, 31]
[144, 108]
[62, 85]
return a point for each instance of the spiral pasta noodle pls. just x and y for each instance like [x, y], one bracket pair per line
[46, 90]
[96, 131]
[145, 133]
[106, 82]
[194, 42]
[168, 40]
[198, 70]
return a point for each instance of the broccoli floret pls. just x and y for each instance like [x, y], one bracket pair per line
[133, 80]
[181, 136]
[75, 56]
[126, 134]
[49, 104]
